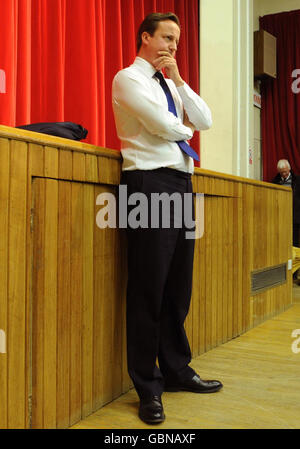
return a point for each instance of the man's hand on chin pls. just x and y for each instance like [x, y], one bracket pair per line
[168, 62]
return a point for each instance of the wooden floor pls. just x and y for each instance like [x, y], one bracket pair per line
[261, 377]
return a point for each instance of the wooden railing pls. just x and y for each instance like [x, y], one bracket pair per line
[63, 279]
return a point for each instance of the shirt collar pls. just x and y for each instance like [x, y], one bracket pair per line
[286, 179]
[145, 66]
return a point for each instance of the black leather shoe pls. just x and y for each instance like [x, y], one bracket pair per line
[151, 411]
[196, 385]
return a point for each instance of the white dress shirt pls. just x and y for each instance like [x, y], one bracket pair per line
[287, 180]
[147, 130]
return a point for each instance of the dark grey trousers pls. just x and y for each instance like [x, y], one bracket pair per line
[160, 267]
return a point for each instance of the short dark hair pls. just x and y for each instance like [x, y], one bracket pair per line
[150, 24]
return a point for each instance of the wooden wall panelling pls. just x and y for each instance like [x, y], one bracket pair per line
[220, 265]
[282, 223]
[208, 272]
[4, 224]
[91, 168]
[116, 370]
[87, 300]
[106, 262]
[78, 166]
[28, 303]
[103, 310]
[76, 300]
[107, 325]
[109, 170]
[238, 260]
[264, 259]
[260, 248]
[201, 268]
[76, 289]
[36, 160]
[65, 164]
[214, 266]
[103, 170]
[64, 379]
[36, 167]
[16, 343]
[51, 162]
[50, 304]
[235, 269]
[274, 239]
[225, 268]
[248, 242]
[126, 381]
[115, 171]
[38, 313]
[270, 244]
[288, 249]
[98, 325]
[230, 263]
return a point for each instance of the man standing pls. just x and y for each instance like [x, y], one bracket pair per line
[154, 118]
[287, 178]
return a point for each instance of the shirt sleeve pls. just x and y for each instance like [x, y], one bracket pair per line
[136, 99]
[197, 110]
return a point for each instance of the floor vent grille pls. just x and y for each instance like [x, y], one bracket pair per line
[266, 278]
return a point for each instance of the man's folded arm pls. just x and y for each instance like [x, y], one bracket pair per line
[130, 94]
[195, 107]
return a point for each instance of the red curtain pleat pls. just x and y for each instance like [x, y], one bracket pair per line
[116, 37]
[81, 74]
[8, 60]
[101, 71]
[47, 61]
[280, 105]
[60, 56]
[23, 81]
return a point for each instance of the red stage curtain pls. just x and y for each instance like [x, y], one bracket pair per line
[280, 105]
[59, 58]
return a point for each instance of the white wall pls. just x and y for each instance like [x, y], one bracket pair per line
[226, 74]
[227, 82]
[262, 8]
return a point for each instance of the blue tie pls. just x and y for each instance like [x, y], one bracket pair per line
[171, 107]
